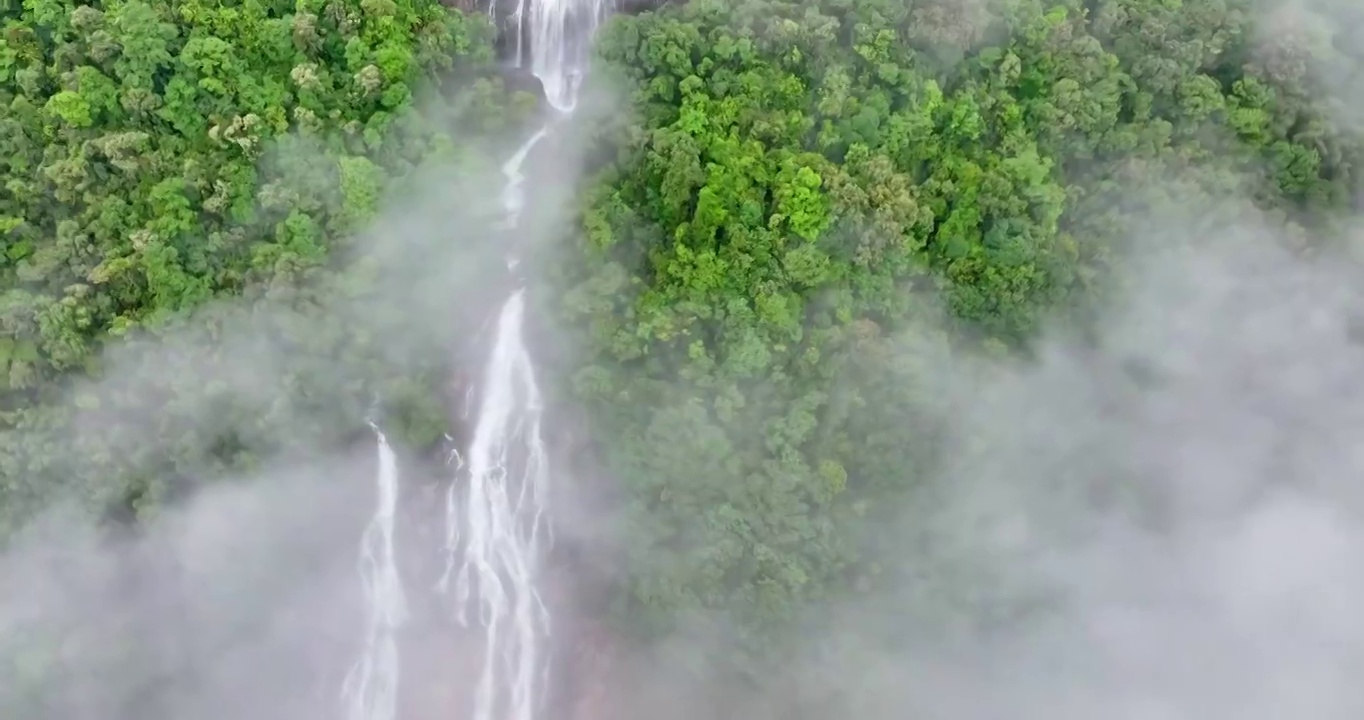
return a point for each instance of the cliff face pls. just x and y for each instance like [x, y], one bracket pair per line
[507, 7]
[502, 9]
[516, 77]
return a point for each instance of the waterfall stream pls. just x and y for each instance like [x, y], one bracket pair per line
[370, 690]
[496, 525]
[560, 36]
[496, 529]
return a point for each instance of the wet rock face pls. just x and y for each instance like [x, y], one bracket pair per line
[510, 51]
[505, 8]
[519, 79]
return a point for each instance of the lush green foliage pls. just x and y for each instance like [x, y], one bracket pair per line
[803, 180]
[157, 156]
[799, 182]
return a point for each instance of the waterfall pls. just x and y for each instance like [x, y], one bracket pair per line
[370, 688]
[496, 524]
[496, 528]
[560, 35]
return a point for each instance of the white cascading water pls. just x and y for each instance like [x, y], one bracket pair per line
[496, 525]
[495, 515]
[560, 35]
[370, 690]
[496, 529]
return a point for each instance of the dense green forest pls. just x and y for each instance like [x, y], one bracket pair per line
[796, 185]
[802, 184]
[160, 156]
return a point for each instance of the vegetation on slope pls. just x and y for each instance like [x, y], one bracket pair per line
[801, 181]
[159, 155]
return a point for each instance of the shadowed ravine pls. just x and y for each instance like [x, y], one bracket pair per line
[495, 513]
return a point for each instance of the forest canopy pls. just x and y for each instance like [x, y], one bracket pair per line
[801, 183]
[160, 156]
